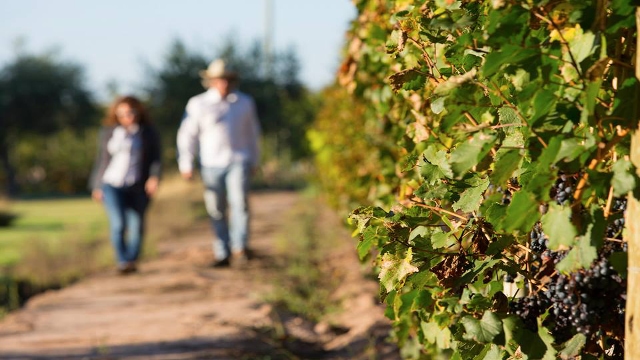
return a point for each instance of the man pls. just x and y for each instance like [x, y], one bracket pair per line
[222, 126]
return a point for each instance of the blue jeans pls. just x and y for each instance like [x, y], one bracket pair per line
[226, 199]
[126, 207]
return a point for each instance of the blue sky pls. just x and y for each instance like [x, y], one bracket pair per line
[113, 40]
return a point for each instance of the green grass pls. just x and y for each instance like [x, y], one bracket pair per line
[303, 286]
[53, 223]
[53, 238]
[53, 242]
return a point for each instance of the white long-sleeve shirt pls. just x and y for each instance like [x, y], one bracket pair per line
[221, 131]
[125, 148]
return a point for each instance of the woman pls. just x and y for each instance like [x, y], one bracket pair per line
[126, 175]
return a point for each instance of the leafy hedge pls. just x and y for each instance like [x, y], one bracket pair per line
[57, 163]
[488, 142]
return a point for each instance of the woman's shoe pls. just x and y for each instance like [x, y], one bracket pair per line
[127, 268]
[221, 263]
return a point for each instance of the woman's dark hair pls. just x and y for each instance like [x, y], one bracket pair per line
[142, 117]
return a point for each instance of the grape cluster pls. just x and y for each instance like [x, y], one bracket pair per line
[619, 205]
[615, 227]
[506, 193]
[540, 253]
[586, 301]
[538, 240]
[529, 309]
[553, 256]
[506, 197]
[563, 188]
[589, 300]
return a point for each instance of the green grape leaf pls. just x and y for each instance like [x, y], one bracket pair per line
[620, 262]
[509, 54]
[623, 179]
[418, 231]
[543, 102]
[590, 96]
[573, 347]
[520, 340]
[440, 240]
[556, 223]
[410, 79]
[549, 154]
[440, 336]
[547, 339]
[469, 153]
[437, 105]
[453, 82]
[495, 214]
[570, 149]
[483, 330]
[369, 238]
[507, 162]
[363, 215]
[438, 158]
[471, 198]
[508, 115]
[431, 173]
[580, 256]
[581, 46]
[491, 352]
[409, 301]
[628, 93]
[510, 328]
[522, 213]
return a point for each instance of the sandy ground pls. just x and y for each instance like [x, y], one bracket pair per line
[177, 307]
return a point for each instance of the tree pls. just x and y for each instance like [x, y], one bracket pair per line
[173, 84]
[40, 94]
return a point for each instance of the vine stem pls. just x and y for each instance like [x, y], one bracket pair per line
[432, 252]
[425, 56]
[577, 196]
[441, 210]
[475, 123]
[607, 207]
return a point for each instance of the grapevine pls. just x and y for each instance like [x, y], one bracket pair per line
[499, 137]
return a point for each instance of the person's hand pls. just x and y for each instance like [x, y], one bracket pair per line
[96, 195]
[187, 175]
[151, 186]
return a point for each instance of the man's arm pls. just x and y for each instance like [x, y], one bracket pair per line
[254, 133]
[187, 142]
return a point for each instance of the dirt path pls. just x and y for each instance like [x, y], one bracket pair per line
[176, 307]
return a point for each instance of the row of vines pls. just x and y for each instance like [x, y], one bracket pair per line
[482, 148]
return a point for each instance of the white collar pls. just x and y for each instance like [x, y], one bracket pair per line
[214, 95]
[133, 129]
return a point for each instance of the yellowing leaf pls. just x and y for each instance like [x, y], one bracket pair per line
[394, 270]
[568, 33]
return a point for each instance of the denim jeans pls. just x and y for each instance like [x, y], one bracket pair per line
[226, 199]
[126, 207]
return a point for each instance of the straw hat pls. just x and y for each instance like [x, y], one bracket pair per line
[218, 69]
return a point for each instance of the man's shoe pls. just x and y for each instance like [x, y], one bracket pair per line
[239, 258]
[221, 263]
